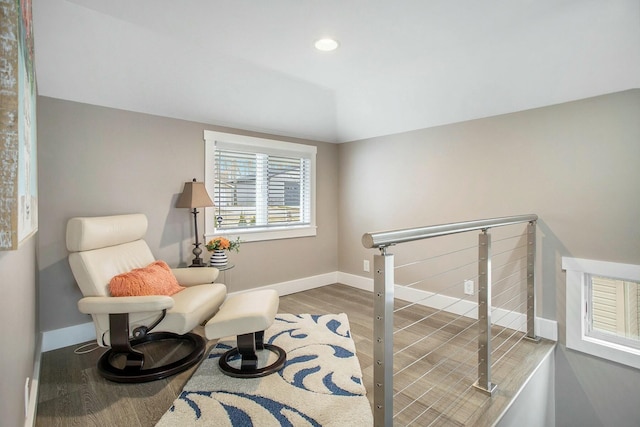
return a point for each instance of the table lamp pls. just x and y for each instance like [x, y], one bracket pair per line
[195, 196]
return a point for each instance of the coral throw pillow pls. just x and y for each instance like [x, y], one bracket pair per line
[154, 279]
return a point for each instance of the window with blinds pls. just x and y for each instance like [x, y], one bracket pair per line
[259, 185]
[603, 309]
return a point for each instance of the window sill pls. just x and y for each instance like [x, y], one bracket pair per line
[264, 234]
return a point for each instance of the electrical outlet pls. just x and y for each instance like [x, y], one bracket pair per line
[468, 287]
[365, 265]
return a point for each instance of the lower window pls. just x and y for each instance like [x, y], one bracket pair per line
[603, 309]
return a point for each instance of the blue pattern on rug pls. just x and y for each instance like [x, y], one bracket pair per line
[298, 378]
[319, 385]
[288, 332]
[341, 352]
[300, 364]
[333, 326]
[328, 382]
[237, 416]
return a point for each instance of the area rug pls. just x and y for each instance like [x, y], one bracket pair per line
[320, 384]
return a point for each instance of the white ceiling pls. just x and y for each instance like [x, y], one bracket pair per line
[401, 65]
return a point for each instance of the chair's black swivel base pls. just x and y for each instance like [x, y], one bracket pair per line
[133, 370]
[247, 346]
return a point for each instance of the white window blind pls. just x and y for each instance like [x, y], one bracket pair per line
[614, 312]
[259, 185]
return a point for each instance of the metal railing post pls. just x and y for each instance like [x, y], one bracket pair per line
[484, 314]
[383, 288]
[531, 290]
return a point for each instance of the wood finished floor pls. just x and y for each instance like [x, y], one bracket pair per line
[71, 392]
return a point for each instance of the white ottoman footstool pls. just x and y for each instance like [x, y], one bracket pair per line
[247, 316]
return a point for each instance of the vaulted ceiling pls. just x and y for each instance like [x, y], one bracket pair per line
[401, 65]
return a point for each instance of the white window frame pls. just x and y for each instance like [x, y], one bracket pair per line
[257, 145]
[578, 280]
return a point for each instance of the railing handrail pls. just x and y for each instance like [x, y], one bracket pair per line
[386, 238]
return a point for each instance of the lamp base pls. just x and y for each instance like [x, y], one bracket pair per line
[198, 262]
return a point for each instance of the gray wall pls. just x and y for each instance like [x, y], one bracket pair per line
[592, 392]
[18, 329]
[576, 165]
[101, 161]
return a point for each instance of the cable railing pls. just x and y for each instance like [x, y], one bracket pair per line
[446, 341]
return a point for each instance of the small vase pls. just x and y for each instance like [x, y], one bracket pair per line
[218, 258]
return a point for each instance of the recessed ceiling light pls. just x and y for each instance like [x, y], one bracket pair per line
[326, 45]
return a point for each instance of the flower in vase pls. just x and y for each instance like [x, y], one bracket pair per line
[223, 244]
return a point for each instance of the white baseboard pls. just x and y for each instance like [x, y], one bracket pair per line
[73, 335]
[298, 285]
[32, 395]
[360, 282]
[545, 328]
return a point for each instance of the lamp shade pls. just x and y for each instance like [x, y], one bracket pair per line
[194, 195]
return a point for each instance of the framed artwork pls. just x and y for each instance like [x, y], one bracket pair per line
[18, 148]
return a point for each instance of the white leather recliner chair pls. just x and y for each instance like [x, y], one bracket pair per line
[103, 247]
